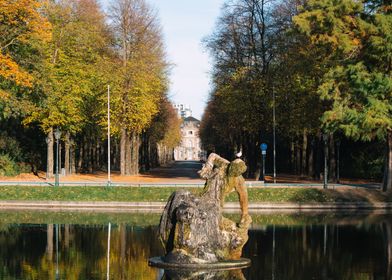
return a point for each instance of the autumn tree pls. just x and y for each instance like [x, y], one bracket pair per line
[70, 72]
[242, 53]
[162, 137]
[21, 26]
[141, 75]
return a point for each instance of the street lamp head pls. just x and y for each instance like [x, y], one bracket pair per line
[57, 134]
[47, 140]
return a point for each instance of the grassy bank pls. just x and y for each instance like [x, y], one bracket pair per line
[161, 194]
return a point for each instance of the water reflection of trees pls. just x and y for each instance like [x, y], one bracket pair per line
[387, 226]
[328, 251]
[82, 252]
[333, 248]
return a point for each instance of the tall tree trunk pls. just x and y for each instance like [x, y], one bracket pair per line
[311, 159]
[387, 181]
[72, 160]
[298, 159]
[81, 156]
[292, 155]
[49, 159]
[134, 155]
[123, 151]
[128, 155]
[86, 154]
[147, 153]
[137, 151]
[319, 159]
[332, 159]
[304, 152]
[102, 155]
[93, 156]
[115, 155]
[97, 160]
[67, 146]
[49, 241]
[89, 158]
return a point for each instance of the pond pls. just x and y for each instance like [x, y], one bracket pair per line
[90, 245]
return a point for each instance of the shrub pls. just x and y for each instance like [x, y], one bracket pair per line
[8, 167]
[10, 146]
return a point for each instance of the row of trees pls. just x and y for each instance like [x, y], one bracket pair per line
[57, 59]
[325, 66]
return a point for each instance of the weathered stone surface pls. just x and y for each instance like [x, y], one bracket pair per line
[192, 227]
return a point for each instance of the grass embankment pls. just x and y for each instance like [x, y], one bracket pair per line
[161, 194]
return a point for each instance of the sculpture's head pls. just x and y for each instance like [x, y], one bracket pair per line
[236, 168]
[207, 171]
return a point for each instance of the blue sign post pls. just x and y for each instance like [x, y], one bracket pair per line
[263, 148]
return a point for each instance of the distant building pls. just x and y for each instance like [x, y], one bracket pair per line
[183, 111]
[190, 147]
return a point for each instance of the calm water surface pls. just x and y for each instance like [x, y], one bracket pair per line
[66, 245]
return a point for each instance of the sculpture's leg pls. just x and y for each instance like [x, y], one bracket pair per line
[242, 192]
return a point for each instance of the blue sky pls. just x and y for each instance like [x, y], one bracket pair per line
[185, 23]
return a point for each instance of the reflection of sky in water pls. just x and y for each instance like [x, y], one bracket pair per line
[281, 246]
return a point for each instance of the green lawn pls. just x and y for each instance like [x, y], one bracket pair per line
[157, 194]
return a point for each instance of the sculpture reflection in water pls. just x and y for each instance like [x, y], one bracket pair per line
[203, 275]
[192, 228]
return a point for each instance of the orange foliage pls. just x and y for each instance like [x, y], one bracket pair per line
[10, 70]
[21, 21]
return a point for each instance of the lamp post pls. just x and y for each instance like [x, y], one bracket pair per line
[109, 179]
[57, 135]
[325, 139]
[47, 163]
[274, 132]
[263, 148]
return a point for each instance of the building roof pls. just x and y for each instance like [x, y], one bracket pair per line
[191, 119]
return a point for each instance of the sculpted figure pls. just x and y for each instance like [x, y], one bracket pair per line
[192, 227]
[232, 180]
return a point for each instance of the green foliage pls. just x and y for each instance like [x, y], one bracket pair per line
[8, 167]
[71, 73]
[355, 38]
[357, 82]
[362, 106]
[11, 147]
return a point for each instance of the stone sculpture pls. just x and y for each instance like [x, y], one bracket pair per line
[192, 227]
